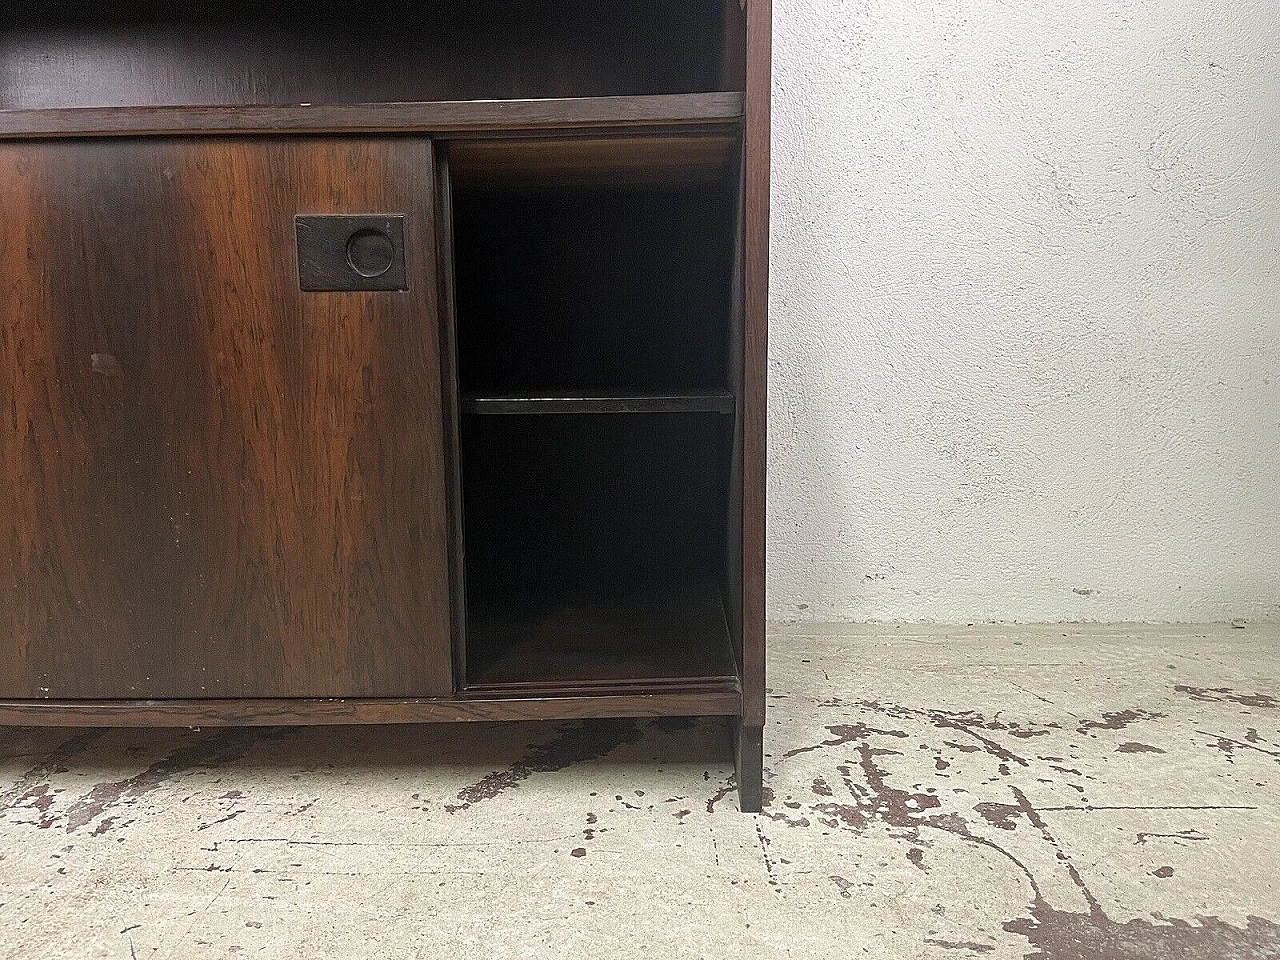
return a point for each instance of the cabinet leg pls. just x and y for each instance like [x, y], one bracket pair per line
[748, 756]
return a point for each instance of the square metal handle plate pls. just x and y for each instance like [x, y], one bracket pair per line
[351, 253]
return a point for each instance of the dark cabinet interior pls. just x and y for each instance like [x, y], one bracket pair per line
[75, 53]
[388, 364]
[595, 289]
[594, 352]
[594, 548]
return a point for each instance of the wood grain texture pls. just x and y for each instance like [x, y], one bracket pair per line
[755, 352]
[713, 701]
[755, 382]
[218, 486]
[677, 113]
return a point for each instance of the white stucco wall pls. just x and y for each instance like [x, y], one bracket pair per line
[1025, 332]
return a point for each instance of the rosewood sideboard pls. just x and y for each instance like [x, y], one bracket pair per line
[384, 363]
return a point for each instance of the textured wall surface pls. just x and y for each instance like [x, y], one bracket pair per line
[1025, 322]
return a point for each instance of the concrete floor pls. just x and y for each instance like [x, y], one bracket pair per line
[1057, 792]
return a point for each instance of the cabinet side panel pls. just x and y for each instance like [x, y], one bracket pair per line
[755, 355]
[228, 487]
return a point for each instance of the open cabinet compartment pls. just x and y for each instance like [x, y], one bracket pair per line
[74, 53]
[594, 343]
[579, 276]
[594, 547]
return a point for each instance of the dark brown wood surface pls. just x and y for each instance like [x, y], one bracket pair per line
[671, 634]
[122, 52]
[733, 53]
[695, 111]
[712, 701]
[650, 157]
[450, 395]
[214, 485]
[755, 394]
[217, 490]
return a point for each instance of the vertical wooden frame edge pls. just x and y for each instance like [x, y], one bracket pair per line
[450, 402]
[755, 364]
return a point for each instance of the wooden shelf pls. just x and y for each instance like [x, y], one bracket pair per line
[669, 636]
[697, 401]
[675, 112]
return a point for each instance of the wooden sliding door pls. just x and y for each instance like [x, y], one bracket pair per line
[212, 483]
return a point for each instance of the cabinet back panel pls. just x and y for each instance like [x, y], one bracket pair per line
[593, 288]
[211, 483]
[597, 502]
[76, 54]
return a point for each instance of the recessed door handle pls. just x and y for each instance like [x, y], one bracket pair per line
[351, 252]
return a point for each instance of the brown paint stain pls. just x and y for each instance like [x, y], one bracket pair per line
[576, 743]
[1229, 746]
[843, 733]
[1227, 695]
[1118, 720]
[578, 852]
[207, 751]
[1052, 934]
[54, 762]
[720, 795]
[876, 801]
[104, 825]
[1000, 815]
[968, 945]
[37, 798]
[1063, 935]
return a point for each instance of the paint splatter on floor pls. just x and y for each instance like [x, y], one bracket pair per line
[1028, 793]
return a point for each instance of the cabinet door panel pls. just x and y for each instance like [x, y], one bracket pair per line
[213, 484]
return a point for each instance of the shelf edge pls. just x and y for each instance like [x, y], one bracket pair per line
[711, 401]
[470, 117]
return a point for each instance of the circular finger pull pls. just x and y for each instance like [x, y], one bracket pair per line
[371, 253]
